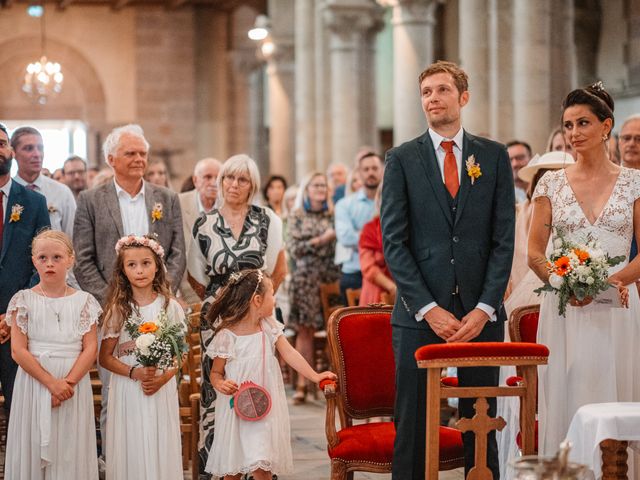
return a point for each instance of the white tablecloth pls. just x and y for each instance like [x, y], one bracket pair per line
[596, 422]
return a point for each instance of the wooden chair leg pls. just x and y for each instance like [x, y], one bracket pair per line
[614, 459]
[338, 470]
[432, 453]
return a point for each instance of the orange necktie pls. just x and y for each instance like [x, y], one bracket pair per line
[451, 180]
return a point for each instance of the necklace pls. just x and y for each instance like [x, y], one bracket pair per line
[235, 221]
[56, 312]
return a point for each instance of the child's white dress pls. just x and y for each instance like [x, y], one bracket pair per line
[44, 442]
[143, 432]
[241, 446]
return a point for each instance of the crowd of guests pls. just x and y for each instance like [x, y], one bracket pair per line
[272, 242]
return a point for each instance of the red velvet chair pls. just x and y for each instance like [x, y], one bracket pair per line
[523, 327]
[359, 341]
[434, 358]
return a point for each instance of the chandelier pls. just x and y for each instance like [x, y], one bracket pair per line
[43, 78]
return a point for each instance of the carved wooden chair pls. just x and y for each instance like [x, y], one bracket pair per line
[359, 340]
[434, 358]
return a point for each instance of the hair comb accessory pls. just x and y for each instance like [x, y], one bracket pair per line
[135, 241]
[260, 277]
[235, 277]
[598, 86]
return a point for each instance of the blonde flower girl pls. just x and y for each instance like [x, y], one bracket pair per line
[53, 339]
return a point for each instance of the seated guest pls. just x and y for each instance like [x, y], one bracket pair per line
[376, 278]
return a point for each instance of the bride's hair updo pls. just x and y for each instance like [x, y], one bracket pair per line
[595, 97]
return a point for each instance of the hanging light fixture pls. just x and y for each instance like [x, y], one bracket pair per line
[43, 78]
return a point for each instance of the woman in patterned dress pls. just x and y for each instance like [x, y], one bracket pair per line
[234, 236]
[311, 245]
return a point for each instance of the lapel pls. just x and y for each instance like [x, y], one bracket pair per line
[16, 196]
[429, 162]
[468, 144]
[151, 197]
[110, 199]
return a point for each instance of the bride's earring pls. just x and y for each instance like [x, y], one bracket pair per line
[605, 137]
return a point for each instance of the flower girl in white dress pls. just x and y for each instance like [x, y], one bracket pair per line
[243, 350]
[53, 339]
[143, 421]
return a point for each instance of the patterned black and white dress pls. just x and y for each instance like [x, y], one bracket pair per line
[214, 256]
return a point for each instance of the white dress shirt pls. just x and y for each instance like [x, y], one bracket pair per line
[5, 189]
[457, 139]
[60, 202]
[133, 210]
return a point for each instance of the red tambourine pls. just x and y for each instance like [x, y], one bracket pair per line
[251, 402]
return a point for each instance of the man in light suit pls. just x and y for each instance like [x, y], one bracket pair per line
[23, 214]
[127, 205]
[448, 220]
[195, 203]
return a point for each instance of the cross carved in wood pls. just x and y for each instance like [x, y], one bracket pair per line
[481, 424]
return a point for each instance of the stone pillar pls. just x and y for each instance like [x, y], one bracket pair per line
[473, 42]
[280, 73]
[305, 89]
[633, 29]
[563, 61]
[413, 22]
[500, 70]
[322, 90]
[353, 122]
[532, 71]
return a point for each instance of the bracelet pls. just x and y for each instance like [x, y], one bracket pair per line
[131, 372]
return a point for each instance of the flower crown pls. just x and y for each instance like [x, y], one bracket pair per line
[235, 278]
[134, 241]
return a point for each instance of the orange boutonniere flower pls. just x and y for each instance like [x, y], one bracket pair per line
[148, 327]
[563, 266]
[473, 169]
[156, 213]
[16, 213]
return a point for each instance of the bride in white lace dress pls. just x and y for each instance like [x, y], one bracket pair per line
[594, 356]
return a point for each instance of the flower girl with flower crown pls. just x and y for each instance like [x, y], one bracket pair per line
[143, 424]
[53, 339]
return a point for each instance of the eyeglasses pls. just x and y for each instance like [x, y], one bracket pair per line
[629, 138]
[318, 185]
[242, 181]
[75, 172]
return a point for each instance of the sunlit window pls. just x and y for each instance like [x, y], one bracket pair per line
[62, 138]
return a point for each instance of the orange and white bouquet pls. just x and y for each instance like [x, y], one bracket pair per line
[158, 342]
[578, 270]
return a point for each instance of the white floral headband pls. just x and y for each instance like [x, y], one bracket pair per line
[134, 241]
[237, 276]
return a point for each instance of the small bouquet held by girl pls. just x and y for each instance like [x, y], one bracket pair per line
[578, 271]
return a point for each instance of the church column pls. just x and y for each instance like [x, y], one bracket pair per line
[531, 71]
[305, 89]
[352, 24]
[474, 59]
[280, 73]
[413, 22]
[500, 70]
[633, 42]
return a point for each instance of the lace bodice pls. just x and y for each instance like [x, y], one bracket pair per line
[613, 229]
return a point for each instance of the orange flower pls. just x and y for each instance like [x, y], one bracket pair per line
[148, 327]
[563, 266]
[581, 254]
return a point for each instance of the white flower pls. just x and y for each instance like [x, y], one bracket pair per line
[590, 281]
[554, 280]
[557, 243]
[144, 341]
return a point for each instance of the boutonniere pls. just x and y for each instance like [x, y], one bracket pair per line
[16, 213]
[52, 209]
[473, 169]
[156, 213]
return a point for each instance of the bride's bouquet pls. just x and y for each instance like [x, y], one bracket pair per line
[157, 342]
[577, 270]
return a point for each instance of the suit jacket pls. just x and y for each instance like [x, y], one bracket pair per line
[434, 251]
[190, 213]
[16, 268]
[98, 227]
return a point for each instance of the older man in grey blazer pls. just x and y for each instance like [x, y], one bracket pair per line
[127, 205]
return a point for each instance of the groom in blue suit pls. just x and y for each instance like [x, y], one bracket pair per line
[24, 214]
[448, 219]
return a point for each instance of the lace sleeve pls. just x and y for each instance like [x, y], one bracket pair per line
[273, 328]
[89, 315]
[19, 307]
[222, 345]
[546, 185]
[110, 327]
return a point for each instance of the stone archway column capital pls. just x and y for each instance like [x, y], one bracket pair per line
[350, 19]
[412, 11]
